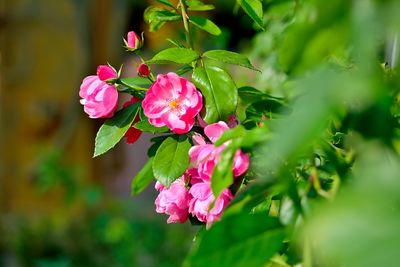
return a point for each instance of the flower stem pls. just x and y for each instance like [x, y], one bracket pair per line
[186, 24]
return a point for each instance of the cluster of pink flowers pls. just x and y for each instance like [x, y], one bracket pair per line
[191, 193]
[175, 102]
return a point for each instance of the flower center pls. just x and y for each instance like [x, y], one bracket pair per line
[173, 104]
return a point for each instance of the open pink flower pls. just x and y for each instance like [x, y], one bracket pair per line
[172, 101]
[105, 72]
[174, 201]
[99, 99]
[202, 197]
[204, 156]
[133, 134]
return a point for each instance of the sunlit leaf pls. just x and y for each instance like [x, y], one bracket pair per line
[114, 129]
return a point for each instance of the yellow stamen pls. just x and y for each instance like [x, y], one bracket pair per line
[173, 104]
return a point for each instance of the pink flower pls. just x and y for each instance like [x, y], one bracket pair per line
[133, 134]
[202, 197]
[134, 41]
[174, 201]
[105, 72]
[215, 130]
[172, 101]
[99, 99]
[143, 70]
[205, 156]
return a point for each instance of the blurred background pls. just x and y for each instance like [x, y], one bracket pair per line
[59, 206]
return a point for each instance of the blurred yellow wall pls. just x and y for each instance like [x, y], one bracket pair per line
[47, 47]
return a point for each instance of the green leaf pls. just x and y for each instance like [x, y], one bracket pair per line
[205, 24]
[238, 131]
[166, 2]
[145, 126]
[197, 5]
[238, 240]
[143, 178]
[176, 55]
[156, 17]
[138, 83]
[254, 10]
[222, 175]
[114, 129]
[219, 91]
[229, 58]
[156, 14]
[184, 69]
[171, 159]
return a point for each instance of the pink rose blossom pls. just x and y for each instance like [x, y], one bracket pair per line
[205, 156]
[215, 130]
[105, 72]
[202, 197]
[172, 101]
[133, 42]
[99, 99]
[241, 163]
[143, 70]
[174, 201]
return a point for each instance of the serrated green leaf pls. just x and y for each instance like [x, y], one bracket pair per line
[114, 129]
[229, 58]
[205, 24]
[176, 55]
[166, 2]
[171, 159]
[248, 240]
[254, 10]
[219, 91]
[143, 178]
[145, 126]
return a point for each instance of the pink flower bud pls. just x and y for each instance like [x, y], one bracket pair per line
[105, 72]
[134, 41]
[133, 134]
[143, 70]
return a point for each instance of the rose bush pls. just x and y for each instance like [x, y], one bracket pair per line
[261, 165]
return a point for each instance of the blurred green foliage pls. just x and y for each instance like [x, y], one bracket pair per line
[328, 162]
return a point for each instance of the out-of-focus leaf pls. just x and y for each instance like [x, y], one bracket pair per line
[166, 2]
[236, 132]
[254, 10]
[205, 24]
[171, 159]
[222, 175]
[229, 58]
[143, 178]
[238, 240]
[114, 129]
[219, 91]
[176, 55]
[197, 5]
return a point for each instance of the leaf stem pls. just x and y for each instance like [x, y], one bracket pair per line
[186, 24]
